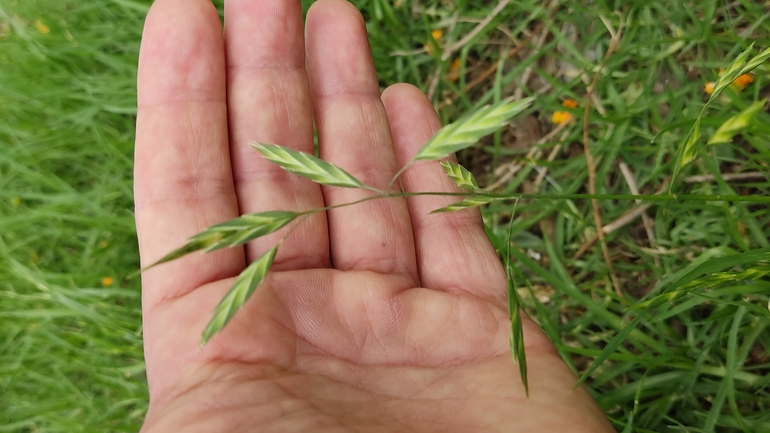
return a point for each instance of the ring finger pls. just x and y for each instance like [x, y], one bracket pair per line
[269, 102]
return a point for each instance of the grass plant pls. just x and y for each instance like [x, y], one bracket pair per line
[682, 346]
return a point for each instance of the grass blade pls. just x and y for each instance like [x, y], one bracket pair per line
[241, 291]
[308, 166]
[609, 349]
[570, 289]
[232, 233]
[549, 327]
[460, 175]
[467, 131]
[709, 267]
[465, 204]
[711, 280]
[722, 263]
[629, 427]
[733, 364]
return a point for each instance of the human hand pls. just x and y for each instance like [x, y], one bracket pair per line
[374, 318]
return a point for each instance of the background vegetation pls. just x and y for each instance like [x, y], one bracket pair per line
[70, 325]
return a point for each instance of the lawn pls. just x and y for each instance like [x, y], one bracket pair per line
[672, 300]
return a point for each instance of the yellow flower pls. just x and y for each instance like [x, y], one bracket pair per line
[561, 117]
[436, 34]
[743, 81]
[42, 28]
[103, 244]
[709, 87]
[570, 103]
[454, 70]
[107, 281]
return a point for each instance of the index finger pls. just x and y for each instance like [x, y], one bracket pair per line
[183, 181]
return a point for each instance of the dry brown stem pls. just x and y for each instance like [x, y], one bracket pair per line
[728, 177]
[590, 162]
[649, 223]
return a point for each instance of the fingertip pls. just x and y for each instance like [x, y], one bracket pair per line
[407, 101]
[183, 180]
[327, 9]
[339, 59]
[266, 33]
[181, 52]
[413, 120]
[403, 91]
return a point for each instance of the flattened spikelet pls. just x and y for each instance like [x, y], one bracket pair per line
[465, 204]
[467, 131]
[241, 291]
[460, 175]
[308, 166]
[232, 233]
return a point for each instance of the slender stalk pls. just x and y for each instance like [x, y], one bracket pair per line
[591, 161]
[378, 191]
[643, 197]
[398, 174]
[632, 197]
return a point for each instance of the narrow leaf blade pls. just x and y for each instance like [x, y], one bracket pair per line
[460, 175]
[710, 267]
[467, 131]
[308, 166]
[709, 281]
[467, 203]
[609, 349]
[241, 291]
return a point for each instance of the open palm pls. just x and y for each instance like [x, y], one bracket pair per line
[375, 318]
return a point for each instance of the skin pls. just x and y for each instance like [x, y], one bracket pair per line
[375, 318]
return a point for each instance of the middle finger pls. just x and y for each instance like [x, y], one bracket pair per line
[353, 132]
[269, 102]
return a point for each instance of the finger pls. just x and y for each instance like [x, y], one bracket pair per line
[183, 181]
[353, 133]
[453, 251]
[269, 102]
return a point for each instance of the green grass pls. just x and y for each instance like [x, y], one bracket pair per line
[697, 360]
